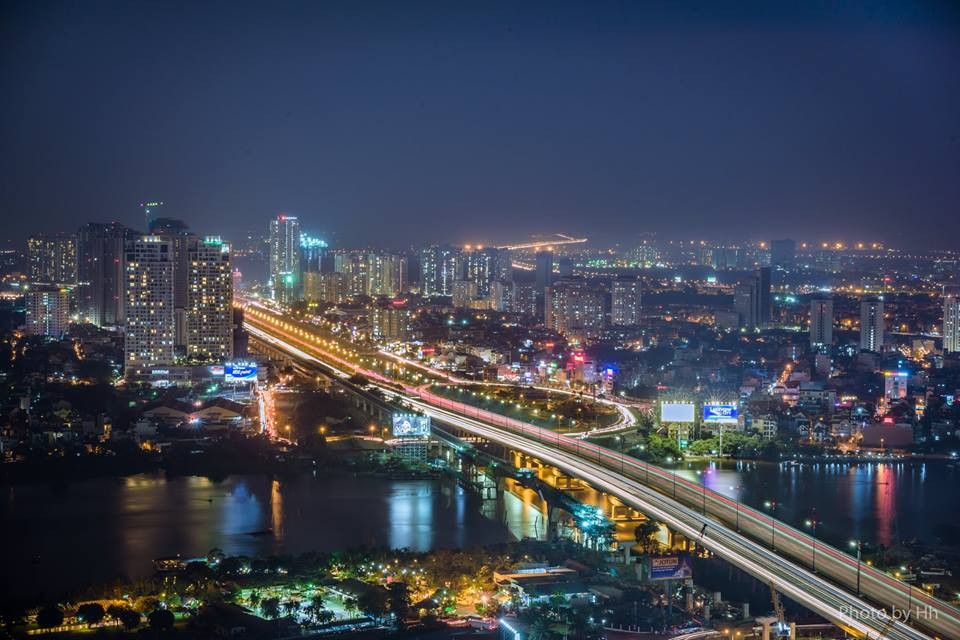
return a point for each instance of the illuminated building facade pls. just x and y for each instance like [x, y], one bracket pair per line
[951, 318]
[574, 309]
[209, 300]
[625, 300]
[52, 259]
[101, 296]
[821, 322]
[871, 325]
[149, 326]
[285, 259]
[440, 267]
[47, 310]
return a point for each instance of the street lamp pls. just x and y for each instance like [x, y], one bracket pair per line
[703, 485]
[736, 496]
[772, 505]
[620, 440]
[859, 545]
[812, 523]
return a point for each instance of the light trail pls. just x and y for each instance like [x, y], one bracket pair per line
[622, 474]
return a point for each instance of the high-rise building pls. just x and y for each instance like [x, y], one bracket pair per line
[821, 322]
[871, 324]
[149, 328]
[209, 300]
[101, 296]
[390, 320]
[625, 299]
[52, 259]
[783, 254]
[762, 297]
[499, 296]
[951, 318]
[285, 284]
[440, 267]
[574, 309]
[386, 274]
[523, 298]
[180, 237]
[312, 251]
[464, 293]
[328, 288]
[47, 310]
[544, 272]
[744, 304]
[150, 211]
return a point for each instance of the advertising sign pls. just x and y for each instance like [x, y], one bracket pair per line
[677, 412]
[240, 371]
[677, 567]
[410, 425]
[720, 413]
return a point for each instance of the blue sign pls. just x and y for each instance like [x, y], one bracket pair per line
[720, 413]
[678, 567]
[240, 371]
[410, 425]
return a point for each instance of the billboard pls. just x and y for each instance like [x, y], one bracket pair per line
[240, 371]
[676, 567]
[410, 425]
[720, 413]
[677, 412]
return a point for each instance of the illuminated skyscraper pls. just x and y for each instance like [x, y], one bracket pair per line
[821, 322]
[440, 267]
[52, 259]
[209, 300]
[285, 269]
[762, 298]
[149, 327]
[386, 274]
[544, 271]
[951, 318]
[625, 302]
[180, 237]
[101, 293]
[871, 325]
[150, 211]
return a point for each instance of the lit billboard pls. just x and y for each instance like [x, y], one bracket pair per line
[410, 425]
[240, 371]
[677, 412]
[677, 567]
[720, 413]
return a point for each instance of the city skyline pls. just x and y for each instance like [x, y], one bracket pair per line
[373, 124]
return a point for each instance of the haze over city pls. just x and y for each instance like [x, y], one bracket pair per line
[396, 123]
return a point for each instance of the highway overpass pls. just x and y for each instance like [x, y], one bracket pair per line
[737, 533]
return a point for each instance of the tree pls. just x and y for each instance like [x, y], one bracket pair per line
[290, 607]
[270, 608]
[49, 617]
[373, 602]
[645, 534]
[91, 612]
[161, 620]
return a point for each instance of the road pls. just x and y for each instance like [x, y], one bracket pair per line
[671, 499]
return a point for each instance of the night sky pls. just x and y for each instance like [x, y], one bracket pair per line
[393, 123]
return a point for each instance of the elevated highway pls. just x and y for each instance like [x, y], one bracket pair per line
[770, 550]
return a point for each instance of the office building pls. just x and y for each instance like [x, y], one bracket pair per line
[544, 272]
[763, 299]
[744, 305]
[821, 322]
[149, 326]
[285, 269]
[47, 310]
[575, 310]
[871, 325]
[52, 259]
[440, 267]
[625, 299]
[209, 300]
[951, 318]
[101, 296]
[783, 254]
